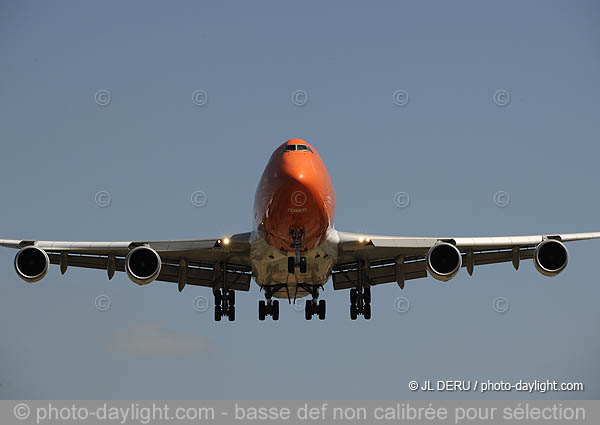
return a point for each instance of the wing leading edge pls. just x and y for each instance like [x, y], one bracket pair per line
[376, 259]
[201, 262]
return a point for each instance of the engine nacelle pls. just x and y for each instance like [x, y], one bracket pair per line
[32, 264]
[551, 257]
[143, 265]
[443, 261]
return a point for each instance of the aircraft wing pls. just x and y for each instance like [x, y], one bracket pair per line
[207, 262]
[383, 259]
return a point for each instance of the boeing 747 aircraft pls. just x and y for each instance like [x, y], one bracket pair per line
[293, 249]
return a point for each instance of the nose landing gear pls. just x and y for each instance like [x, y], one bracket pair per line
[300, 264]
[297, 261]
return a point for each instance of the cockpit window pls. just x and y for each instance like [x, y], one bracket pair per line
[298, 148]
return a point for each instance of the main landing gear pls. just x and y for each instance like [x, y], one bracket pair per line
[269, 307]
[313, 307]
[360, 303]
[224, 304]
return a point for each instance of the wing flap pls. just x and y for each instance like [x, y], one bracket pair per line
[346, 276]
[238, 276]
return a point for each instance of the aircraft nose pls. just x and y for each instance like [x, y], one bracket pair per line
[297, 204]
[295, 165]
[300, 184]
[296, 196]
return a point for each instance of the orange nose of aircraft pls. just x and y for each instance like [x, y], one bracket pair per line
[294, 202]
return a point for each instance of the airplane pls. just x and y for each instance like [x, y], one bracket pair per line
[293, 249]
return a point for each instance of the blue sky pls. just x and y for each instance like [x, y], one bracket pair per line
[451, 148]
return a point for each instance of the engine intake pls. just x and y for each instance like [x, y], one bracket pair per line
[143, 265]
[32, 264]
[551, 257]
[443, 261]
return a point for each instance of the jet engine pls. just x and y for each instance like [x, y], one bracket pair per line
[143, 265]
[31, 264]
[443, 261]
[551, 257]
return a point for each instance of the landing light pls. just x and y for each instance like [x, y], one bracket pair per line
[226, 241]
[363, 239]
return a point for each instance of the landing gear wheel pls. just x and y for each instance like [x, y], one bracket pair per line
[353, 296]
[302, 264]
[275, 312]
[322, 310]
[367, 296]
[308, 310]
[367, 312]
[224, 304]
[262, 310]
[360, 302]
[291, 265]
[353, 312]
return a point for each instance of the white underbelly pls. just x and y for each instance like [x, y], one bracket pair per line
[270, 266]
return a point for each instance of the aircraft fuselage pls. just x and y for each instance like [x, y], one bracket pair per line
[294, 209]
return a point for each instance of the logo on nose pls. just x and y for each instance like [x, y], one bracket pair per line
[298, 198]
